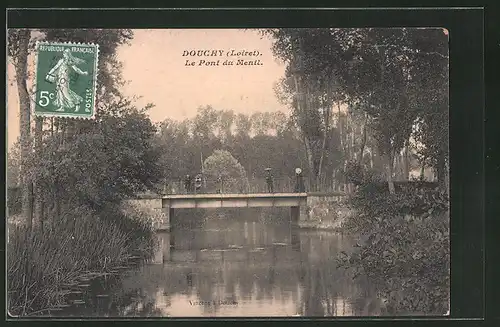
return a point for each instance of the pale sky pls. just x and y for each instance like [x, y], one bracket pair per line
[155, 67]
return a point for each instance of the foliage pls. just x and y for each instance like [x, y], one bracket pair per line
[80, 244]
[13, 165]
[354, 173]
[396, 76]
[13, 201]
[257, 141]
[221, 164]
[404, 245]
[81, 170]
[118, 151]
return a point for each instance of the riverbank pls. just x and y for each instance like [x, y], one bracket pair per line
[326, 213]
[58, 259]
[402, 246]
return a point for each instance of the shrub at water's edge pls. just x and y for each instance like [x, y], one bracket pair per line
[77, 246]
[403, 246]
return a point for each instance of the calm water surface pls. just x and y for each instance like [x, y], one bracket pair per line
[235, 266]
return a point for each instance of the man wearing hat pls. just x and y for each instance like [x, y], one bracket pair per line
[299, 183]
[269, 181]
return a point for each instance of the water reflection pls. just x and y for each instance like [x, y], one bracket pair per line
[240, 267]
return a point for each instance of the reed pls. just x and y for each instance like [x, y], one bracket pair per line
[46, 265]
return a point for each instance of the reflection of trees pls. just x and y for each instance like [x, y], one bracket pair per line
[304, 272]
[325, 286]
[327, 290]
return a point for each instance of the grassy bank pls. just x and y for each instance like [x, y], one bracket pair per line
[63, 255]
[325, 214]
[403, 246]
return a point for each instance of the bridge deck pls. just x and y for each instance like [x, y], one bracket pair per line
[234, 200]
[219, 196]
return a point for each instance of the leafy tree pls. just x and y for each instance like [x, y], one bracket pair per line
[243, 126]
[379, 71]
[114, 159]
[18, 51]
[276, 146]
[108, 98]
[225, 122]
[311, 87]
[13, 165]
[221, 164]
[431, 75]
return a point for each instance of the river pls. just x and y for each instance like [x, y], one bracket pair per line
[234, 265]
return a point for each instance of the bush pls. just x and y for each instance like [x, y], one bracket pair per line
[354, 173]
[79, 244]
[404, 246]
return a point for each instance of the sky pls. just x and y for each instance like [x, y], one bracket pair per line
[156, 71]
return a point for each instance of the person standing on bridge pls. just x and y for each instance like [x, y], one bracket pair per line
[299, 183]
[187, 183]
[198, 180]
[269, 181]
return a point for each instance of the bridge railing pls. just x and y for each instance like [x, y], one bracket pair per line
[254, 185]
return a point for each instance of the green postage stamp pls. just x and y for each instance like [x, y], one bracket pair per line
[66, 77]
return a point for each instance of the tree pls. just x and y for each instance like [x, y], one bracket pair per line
[243, 126]
[225, 123]
[14, 165]
[101, 166]
[312, 86]
[109, 81]
[431, 74]
[377, 71]
[277, 146]
[221, 164]
[18, 50]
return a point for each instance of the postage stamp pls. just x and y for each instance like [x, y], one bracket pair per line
[66, 77]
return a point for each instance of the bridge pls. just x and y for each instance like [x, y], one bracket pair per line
[297, 202]
[234, 200]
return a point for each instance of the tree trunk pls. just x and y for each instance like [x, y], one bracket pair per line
[363, 143]
[25, 126]
[422, 170]
[390, 165]
[406, 164]
[447, 178]
[398, 166]
[310, 162]
[342, 146]
[441, 170]
[309, 154]
[37, 217]
[323, 146]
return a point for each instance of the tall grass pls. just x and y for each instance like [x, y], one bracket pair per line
[45, 265]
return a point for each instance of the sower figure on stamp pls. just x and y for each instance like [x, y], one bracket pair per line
[65, 97]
